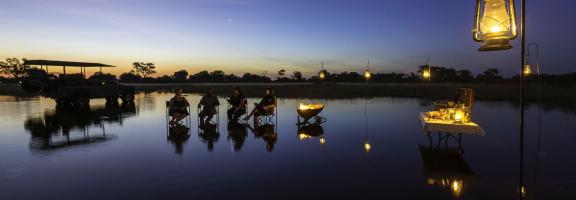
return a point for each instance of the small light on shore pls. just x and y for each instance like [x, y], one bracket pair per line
[426, 74]
[367, 147]
[527, 69]
[367, 74]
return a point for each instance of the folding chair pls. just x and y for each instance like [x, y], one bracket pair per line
[269, 117]
[215, 119]
[187, 120]
[209, 132]
[241, 117]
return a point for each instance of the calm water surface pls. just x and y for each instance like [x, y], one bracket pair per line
[127, 152]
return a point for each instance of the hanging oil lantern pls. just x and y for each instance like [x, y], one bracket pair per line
[495, 24]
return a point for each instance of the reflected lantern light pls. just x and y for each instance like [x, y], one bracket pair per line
[495, 24]
[367, 147]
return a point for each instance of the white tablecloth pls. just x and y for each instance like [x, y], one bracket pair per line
[448, 126]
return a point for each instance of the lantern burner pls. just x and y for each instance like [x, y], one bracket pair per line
[495, 45]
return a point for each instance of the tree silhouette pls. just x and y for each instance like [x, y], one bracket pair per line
[13, 67]
[180, 75]
[99, 76]
[281, 73]
[130, 77]
[143, 69]
[490, 75]
[297, 76]
[217, 75]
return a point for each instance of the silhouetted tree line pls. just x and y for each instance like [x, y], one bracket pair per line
[13, 70]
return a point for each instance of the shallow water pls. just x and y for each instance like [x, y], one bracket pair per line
[127, 153]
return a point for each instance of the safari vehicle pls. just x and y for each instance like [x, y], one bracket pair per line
[74, 89]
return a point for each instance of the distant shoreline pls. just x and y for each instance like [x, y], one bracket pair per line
[484, 92]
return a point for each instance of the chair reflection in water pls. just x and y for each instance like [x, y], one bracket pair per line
[444, 165]
[47, 129]
[267, 132]
[178, 135]
[209, 134]
[237, 132]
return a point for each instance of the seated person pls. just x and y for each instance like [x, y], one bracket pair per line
[265, 107]
[238, 103]
[177, 107]
[208, 104]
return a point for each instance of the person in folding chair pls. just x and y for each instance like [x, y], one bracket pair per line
[237, 105]
[208, 103]
[178, 107]
[265, 107]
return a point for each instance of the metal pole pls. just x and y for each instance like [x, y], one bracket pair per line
[522, 88]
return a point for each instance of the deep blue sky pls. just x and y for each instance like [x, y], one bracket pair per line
[258, 35]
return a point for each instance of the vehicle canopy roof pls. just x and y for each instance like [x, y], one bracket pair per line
[64, 63]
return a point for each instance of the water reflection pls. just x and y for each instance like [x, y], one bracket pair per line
[209, 134]
[237, 132]
[142, 154]
[54, 129]
[310, 131]
[178, 135]
[444, 165]
[267, 132]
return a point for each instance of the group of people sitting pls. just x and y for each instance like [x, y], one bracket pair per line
[178, 106]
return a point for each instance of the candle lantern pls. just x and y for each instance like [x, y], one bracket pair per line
[495, 24]
[459, 115]
[527, 69]
[322, 74]
[367, 74]
[426, 74]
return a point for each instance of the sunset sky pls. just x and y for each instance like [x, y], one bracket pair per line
[266, 35]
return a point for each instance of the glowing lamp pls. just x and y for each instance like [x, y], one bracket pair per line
[459, 116]
[322, 141]
[367, 74]
[495, 24]
[527, 69]
[303, 137]
[322, 75]
[456, 187]
[426, 74]
[367, 147]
